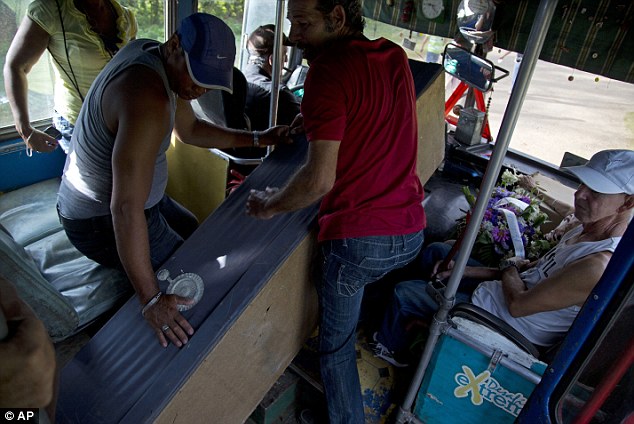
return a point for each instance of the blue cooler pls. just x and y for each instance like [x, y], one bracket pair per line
[479, 372]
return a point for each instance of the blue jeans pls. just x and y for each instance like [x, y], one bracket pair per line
[350, 264]
[411, 299]
[66, 128]
[168, 224]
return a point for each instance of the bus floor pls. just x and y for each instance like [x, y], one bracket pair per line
[297, 397]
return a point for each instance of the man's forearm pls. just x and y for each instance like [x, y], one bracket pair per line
[208, 135]
[513, 287]
[300, 192]
[134, 252]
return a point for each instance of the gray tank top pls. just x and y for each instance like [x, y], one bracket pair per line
[543, 328]
[86, 186]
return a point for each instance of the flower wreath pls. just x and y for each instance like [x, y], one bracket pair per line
[512, 214]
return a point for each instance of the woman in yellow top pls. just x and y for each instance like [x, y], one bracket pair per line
[81, 36]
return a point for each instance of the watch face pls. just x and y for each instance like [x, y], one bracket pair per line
[432, 8]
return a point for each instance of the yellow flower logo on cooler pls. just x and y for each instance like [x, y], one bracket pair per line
[483, 387]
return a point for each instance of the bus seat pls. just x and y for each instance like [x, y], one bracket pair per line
[66, 290]
[234, 103]
[558, 200]
[198, 178]
[224, 108]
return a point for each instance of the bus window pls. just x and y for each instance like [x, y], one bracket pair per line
[150, 19]
[603, 389]
[41, 76]
[565, 110]
[231, 12]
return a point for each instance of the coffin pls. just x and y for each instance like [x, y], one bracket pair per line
[259, 306]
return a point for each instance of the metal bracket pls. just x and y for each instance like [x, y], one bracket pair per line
[495, 360]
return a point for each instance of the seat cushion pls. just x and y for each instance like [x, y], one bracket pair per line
[91, 289]
[28, 214]
[66, 289]
[59, 317]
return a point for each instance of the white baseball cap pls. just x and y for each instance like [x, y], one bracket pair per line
[608, 172]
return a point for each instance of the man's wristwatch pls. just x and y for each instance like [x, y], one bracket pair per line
[256, 139]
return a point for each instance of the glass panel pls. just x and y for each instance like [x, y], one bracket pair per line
[41, 76]
[603, 390]
[565, 110]
[232, 13]
[150, 19]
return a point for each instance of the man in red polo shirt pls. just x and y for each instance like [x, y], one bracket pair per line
[359, 111]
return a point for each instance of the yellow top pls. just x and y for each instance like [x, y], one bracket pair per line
[85, 48]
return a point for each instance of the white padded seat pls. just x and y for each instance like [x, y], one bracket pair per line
[66, 289]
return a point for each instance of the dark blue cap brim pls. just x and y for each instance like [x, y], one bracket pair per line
[208, 77]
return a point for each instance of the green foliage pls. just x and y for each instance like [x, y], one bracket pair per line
[150, 15]
[471, 199]
[230, 12]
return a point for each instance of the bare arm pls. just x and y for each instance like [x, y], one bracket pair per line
[478, 272]
[27, 374]
[311, 182]
[570, 286]
[139, 113]
[27, 47]
[197, 132]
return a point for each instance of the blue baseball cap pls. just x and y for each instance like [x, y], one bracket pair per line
[210, 50]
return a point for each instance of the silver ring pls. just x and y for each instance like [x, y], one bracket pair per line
[164, 328]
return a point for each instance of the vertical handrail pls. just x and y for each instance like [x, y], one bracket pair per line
[534, 45]
[171, 17]
[276, 72]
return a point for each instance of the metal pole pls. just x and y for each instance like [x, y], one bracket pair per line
[276, 72]
[171, 17]
[534, 45]
[244, 35]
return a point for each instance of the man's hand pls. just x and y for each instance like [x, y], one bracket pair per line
[439, 274]
[517, 262]
[27, 373]
[297, 126]
[167, 322]
[275, 135]
[258, 202]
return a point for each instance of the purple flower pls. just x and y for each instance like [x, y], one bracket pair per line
[499, 235]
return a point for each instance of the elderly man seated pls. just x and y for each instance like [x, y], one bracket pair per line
[539, 299]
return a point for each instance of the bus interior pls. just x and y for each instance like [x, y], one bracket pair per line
[552, 86]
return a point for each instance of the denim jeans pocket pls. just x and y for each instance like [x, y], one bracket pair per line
[346, 285]
[352, 277]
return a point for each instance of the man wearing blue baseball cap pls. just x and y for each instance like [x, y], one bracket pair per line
[112, 200]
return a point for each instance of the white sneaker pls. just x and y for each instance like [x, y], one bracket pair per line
[384, 353]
